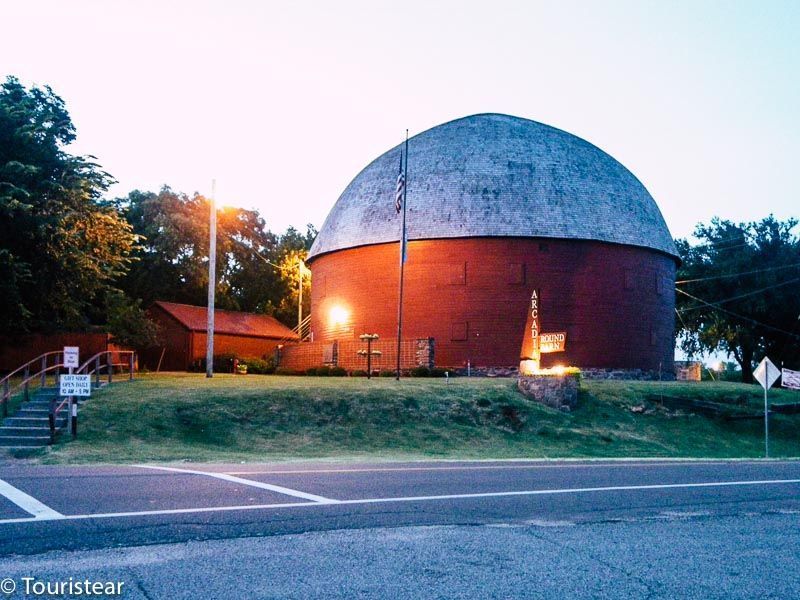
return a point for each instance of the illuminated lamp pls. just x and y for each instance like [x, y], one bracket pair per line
[338, 316]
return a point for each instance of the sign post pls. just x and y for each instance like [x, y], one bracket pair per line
[72, 361]
[73, 386]
[766, 374]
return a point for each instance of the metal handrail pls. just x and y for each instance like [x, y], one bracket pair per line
[298, 330]
[28, 364]
[109, 364]
[8, 391]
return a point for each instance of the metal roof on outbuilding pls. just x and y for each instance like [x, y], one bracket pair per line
[231, 322]
[493, 175]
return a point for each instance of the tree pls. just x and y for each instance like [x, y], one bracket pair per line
[172, 260]
[128, 324]
[61, 245]
[292, 252]
[737, 291]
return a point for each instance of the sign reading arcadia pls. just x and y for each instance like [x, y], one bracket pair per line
[535, 342]
[530, 342]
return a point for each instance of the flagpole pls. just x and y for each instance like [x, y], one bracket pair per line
[402, 262]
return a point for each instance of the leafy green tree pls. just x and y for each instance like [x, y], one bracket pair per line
[128, 323]
[61, 246]
[737, 292]
[292, 252]
[172, 260]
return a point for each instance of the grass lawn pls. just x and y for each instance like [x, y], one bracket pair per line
[176, 417]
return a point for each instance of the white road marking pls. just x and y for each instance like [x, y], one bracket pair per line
[249, 482]
[664, 486]
[28, 503]
[471, 468]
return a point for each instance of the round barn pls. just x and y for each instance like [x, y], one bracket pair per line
[497, 207]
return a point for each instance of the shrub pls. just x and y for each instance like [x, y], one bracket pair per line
[287, 371]
[358, 373]
[223, 363]
[420, 372]
[259, 366]
[439, 372]
[338, 372]
[312, 371]
[323, 371]
[387, 373]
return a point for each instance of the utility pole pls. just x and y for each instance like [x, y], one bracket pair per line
[212, 281]
[300, 299]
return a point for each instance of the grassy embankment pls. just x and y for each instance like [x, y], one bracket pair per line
[258, 418]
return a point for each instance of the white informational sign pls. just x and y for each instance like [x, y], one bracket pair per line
[790, 379]
[75, 385]
[71, 357]
[766, 373]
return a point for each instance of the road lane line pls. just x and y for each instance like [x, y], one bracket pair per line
[474, 468]
[249, 482]
[174, 511]
[28, 503]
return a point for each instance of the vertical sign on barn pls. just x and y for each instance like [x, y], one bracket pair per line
[531, 350]
[535, 351]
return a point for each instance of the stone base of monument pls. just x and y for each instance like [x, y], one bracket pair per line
[555, 391]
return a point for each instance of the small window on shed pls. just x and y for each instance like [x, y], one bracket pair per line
[458, 332]
[516, 273]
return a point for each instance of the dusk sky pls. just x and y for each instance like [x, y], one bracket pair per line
[285, 102]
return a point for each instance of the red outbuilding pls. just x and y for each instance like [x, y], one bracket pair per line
[183, 329]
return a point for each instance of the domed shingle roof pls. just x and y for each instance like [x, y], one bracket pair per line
[494, 175]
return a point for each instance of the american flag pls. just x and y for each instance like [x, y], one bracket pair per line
[401, 184]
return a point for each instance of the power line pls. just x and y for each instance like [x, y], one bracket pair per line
[737, 274]
[737, 315]
[753, 293]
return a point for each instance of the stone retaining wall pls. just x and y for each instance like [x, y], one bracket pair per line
[554, 391]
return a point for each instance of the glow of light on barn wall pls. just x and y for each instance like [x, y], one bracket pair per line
[528, 367]
[338, 316]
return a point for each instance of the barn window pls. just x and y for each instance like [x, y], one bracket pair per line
[319, 284]
[516, 273]
[630, 280]
[458, 332]
[458, 274]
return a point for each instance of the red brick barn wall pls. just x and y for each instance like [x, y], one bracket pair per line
[615, 302]
[301, 356]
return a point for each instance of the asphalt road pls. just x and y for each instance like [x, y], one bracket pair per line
[436, 529]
